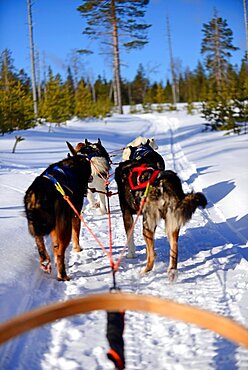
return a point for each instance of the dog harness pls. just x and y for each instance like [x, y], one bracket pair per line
[140, 152]
[61, 176]
[135, 176]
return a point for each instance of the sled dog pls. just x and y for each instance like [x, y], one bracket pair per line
[165, 200]
[100, 165]
[48, 212]
[136, 142]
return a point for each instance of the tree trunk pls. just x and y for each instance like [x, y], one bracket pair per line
[32, 58]
[117, 77]
[5, 71]
[38, 75]
[246, 28]
[173, 74]
[218, 73]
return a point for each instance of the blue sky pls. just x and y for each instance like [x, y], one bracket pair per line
[58, 30]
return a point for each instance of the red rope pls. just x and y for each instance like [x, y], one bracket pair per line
[113, 265]
[117, 264]
[110, 227]
[99, 173]
[117, 150]
[87, 226]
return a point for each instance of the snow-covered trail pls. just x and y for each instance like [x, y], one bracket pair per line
[212, 275]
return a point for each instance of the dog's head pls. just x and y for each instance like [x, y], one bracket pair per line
[144, 153]
[89, 149]
[141, 150]
[153, 143]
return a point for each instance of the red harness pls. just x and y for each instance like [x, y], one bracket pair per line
[134, 177]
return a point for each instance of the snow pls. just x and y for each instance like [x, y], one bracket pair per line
[212, 269]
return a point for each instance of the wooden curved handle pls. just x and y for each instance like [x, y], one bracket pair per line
[125, 301]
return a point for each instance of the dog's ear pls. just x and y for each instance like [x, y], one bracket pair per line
[79, 147]
[99, 141]
[72, 150]
[148, 141]
[87, 142]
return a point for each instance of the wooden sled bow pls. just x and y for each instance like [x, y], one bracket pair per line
[125, 301]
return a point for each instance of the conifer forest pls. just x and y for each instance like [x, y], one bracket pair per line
[219, 88]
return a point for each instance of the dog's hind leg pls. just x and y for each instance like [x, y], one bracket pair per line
[91, 199]
[173, 240]
[99, 184]
[149, 240]
[128, 223]
[45, 261]
[102, 203]
[76, 224]
[59, 247]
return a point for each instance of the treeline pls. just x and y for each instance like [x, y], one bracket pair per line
[60, 100]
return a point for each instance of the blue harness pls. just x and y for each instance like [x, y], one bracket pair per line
[63, 176]
[140, 152]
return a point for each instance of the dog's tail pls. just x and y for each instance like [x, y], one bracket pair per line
[40, 218]
[99, 165]
[187, 206]
[39, 222]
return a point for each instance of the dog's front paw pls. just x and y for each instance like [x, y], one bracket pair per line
[77, 249]
[145, 271]
[46, 266]
[63, 278]
[103, 211]
[172, 275]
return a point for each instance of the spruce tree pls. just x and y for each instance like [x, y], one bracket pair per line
[69, 95]
[16, 110]
[139, 86]
[200, 82]
[243, 79]
[160, 97]
[241, 100]
[217, 46]
[84, 104]
[110, 19]
[54, 105]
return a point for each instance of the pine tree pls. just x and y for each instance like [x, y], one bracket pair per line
[32, 57]
[139, 86]
[69, 94]
[168, 92]
[243, 79]
[160, 97]
[84, 104]
[200, 82]
[54, 105]
[103, 104]
[216, 45]
[172, 65]
[112, 18]
[151, 93]
[241, 100]
[16, 110]
[219, 107]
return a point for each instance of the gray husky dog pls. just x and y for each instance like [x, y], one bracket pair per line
[165, 199]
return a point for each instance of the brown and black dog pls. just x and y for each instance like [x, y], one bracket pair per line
[165, 200]
[48, 213]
